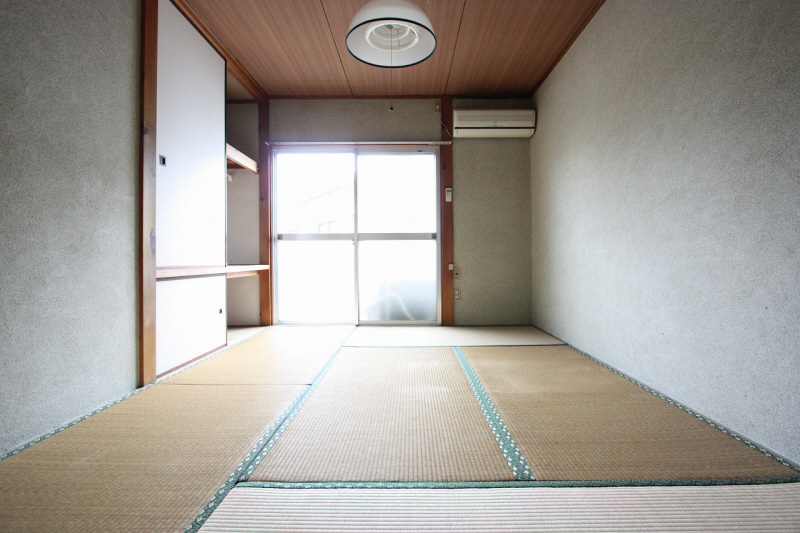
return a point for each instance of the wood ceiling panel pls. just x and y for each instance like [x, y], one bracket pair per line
[427, 78]
[507, 47]
[286, 45]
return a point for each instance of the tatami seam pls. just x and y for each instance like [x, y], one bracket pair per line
[516, 462]
[518, 483]
[259, 451]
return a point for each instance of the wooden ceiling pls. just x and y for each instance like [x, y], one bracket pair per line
[485, 48]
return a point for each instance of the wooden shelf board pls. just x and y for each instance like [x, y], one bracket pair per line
[237, 159]
[232, 271]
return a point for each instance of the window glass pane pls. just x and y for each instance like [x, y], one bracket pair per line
[316, 282]
[314, 192]
[396, 193]
[397, 280]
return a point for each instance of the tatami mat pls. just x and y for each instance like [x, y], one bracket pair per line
[449, 336]
[388, 414]
[722, 509]
[278, 355]
[149, 463]
[238, 333]
[575, 420]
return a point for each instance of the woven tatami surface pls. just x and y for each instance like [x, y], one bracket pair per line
[575, 420]
[279, 355]
[449, 336]
[149, 463]
[732, 508]
[388, 414]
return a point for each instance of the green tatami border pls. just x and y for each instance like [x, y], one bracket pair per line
[516, 462]
[517, 484]
[692, 412]
[128, 395]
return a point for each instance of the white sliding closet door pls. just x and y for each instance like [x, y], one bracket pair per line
[190, 184]
[190, 190]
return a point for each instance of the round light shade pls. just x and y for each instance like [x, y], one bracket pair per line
[391, 33]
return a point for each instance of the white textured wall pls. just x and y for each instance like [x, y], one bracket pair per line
[244, 306]
[665, 190]
[241, 131]
[69, 173]
[243, 237]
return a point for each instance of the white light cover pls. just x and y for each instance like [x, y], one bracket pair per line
[391, 33]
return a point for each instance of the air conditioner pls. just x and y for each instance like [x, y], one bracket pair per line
[493, 122]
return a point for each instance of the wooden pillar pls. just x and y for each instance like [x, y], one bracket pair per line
[265, 212]
[446, 230]
[147, 191]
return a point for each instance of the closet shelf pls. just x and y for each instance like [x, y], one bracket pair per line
[232, 271]
[237, 159]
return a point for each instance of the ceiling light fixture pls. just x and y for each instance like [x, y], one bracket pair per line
[391, 34]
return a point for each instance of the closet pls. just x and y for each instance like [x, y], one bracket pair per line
[206, 210]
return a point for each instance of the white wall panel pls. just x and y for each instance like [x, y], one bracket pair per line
[190, 319]
[243, 238]
[190, 189]
[243, 299]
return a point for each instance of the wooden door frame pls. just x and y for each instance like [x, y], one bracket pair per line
[147, 191]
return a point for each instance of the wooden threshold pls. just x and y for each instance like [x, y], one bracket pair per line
[190, 361]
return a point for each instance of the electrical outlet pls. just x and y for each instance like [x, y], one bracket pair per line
[457, 294]
[457, 273]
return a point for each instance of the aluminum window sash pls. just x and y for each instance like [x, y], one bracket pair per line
[315, 236]
[397, 236]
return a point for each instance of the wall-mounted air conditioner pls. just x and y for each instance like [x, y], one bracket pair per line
[493, 122]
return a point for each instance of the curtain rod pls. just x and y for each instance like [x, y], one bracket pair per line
[352, 143]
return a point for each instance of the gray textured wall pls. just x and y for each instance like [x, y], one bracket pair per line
[241, 128]
[492, 224]
[665, 187]
[353, 120]
[492, 230]
[68, 210]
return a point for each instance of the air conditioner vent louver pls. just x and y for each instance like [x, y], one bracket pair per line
[493, 122]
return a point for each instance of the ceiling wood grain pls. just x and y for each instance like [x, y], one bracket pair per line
[285, 44]
[507, 46]
[485, 48]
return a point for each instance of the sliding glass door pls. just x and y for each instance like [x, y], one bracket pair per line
[356, 236]
[314, 227]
